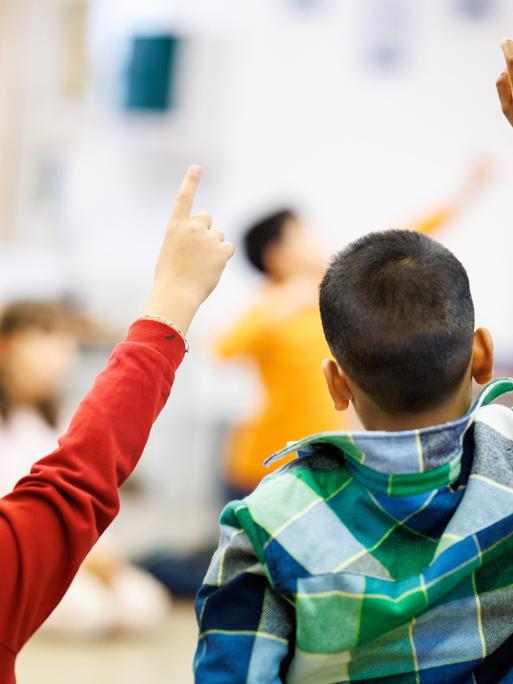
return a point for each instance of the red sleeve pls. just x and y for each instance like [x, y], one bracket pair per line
[50, 521]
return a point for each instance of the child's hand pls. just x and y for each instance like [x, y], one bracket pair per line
[505, 81]
[191, 261]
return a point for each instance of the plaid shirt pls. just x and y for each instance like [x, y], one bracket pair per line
[374, 556]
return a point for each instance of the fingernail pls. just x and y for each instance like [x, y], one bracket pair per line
[195, 169]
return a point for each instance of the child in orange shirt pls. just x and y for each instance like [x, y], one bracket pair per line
[282, 335]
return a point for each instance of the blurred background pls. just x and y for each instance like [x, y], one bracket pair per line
[360, 114]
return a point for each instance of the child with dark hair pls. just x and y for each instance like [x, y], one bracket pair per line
[403, 329]
[37, 347]
[387, 554]
[282, 335]
[266, 233]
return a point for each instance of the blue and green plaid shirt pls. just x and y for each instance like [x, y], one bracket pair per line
[374, 556]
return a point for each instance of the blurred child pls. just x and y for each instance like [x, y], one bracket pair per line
[281, 335]
[383, 555]
[37, 349]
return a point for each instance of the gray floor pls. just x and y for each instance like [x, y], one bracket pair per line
[164, 658]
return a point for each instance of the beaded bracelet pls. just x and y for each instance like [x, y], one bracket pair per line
[157, 317]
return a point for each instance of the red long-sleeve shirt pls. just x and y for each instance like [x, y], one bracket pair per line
[50, 521]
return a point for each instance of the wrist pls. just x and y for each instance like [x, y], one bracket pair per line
[170, 324]
[176, 304]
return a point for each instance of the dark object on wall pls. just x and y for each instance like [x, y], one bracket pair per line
[151, 73]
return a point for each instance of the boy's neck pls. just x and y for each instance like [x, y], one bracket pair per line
[375, 419]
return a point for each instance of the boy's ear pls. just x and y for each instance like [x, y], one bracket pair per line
[337, 384]
[482, 356]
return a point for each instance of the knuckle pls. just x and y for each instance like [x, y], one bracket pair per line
[205, 218]
[195, 228]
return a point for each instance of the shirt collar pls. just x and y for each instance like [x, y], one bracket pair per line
[398, 462]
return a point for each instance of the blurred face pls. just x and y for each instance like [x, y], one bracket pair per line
[36, 363]
[299, 252]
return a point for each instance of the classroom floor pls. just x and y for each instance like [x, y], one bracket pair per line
[163, 658]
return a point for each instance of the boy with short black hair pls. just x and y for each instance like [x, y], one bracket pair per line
[384, 555]
[403, 331]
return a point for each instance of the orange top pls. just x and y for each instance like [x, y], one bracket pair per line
[288, 353]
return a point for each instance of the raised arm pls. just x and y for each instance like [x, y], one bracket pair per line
[53, 517]
[477, 178]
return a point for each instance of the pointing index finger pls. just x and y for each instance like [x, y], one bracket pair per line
[186, 193]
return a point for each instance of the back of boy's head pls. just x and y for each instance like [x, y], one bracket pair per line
[399, 319]
[262, 234]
